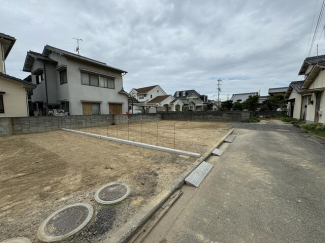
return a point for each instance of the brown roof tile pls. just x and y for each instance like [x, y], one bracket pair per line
[158, 99]
[145, 89]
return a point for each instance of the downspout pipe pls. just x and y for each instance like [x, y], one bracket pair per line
[45, 80]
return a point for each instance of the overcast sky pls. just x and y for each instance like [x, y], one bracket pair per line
[178, 44]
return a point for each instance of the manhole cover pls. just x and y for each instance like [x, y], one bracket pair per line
[17, 240]
[112, 193]
[65, 222]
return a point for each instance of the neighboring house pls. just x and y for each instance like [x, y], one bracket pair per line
[162, 102]
[74, 84]
[192, 100]
[176, 105]
[143, 95]
[13, 91]
[313, 89]
[293, 96]
[261, 99]
[274, 91]
[242, 96]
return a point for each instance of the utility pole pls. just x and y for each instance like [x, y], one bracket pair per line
[219, 90]
[78, 48]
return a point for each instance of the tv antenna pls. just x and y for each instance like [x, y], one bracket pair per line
[78, 46]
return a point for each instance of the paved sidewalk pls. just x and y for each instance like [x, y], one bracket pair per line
[269, 186]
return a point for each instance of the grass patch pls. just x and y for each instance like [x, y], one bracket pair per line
[292, 120]
[316, 128]
[253, 119]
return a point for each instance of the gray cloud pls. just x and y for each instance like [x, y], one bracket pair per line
[252, 45]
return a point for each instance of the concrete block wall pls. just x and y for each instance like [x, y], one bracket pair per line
[26, 125]
[207, 116]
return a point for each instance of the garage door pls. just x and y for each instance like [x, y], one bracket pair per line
[115, 109]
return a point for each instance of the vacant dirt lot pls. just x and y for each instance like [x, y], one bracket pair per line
[43, 172]
[189, 136]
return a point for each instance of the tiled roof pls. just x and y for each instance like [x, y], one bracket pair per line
[243, 96]
[278, 90]
[48, 48]
[311, 61]
[187, 93]
[158, 99]
[295, 85]
[145, 90]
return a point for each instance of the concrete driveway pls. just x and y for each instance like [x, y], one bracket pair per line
[269, 186]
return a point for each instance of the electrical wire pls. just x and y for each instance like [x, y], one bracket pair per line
[316, 28]
[312, 25]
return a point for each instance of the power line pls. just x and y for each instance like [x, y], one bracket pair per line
[316, 28]
[311, 27]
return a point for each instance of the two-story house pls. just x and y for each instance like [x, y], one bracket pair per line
[143, 95]
[313, 90]
[13, 91]
[192, 100]
[75, 84]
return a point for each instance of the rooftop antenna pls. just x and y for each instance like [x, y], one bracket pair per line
[78, 48]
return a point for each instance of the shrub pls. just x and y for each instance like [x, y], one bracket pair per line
[253, 119]
[292, 120]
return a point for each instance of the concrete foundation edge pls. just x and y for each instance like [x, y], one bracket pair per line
[143, 145]
[130, 228]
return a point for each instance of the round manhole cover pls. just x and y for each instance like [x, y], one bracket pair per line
[17, 240]
[112, 193]
[65, 222]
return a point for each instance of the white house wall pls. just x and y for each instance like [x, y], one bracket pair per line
[297, 106]
[311, 108]
[79, 92]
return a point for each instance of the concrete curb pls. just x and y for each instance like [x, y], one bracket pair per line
[130, 228]
[143, 145]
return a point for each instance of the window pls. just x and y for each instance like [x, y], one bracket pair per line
[95, 109]
[177, 94]
[184, 93]
[39, 78]
[142, 96]
[2, 106]
[63, 77]
[85, 78]
[106, 82]
[150, 96]
[94, 80]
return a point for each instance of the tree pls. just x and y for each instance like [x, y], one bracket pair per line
[226, 105]
[274, 102]
[251, 103]
[238, 106]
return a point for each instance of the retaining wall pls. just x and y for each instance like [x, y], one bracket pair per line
[25, 125]
[238, 116]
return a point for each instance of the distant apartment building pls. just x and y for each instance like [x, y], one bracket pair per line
[13, 91]
[74, 84]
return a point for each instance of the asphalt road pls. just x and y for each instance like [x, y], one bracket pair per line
[269, 186]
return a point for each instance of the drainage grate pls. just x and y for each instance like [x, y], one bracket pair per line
[17, 240]
[65, 222]
[112, 193]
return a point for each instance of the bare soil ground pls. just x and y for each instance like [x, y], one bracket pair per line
[43, 172]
